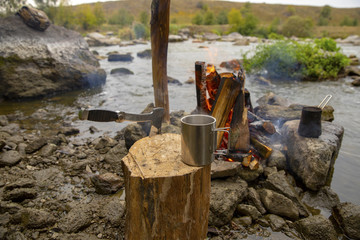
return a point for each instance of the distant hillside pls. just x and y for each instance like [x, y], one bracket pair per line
[182, 11]
[185, 9]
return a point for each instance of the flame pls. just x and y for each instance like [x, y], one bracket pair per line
[210, 68]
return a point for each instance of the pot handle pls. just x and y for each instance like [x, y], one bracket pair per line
[218, 151]
[324, 101]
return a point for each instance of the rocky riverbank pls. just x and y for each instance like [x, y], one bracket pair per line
[55, 186]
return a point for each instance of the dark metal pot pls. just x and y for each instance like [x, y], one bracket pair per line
[310, 122]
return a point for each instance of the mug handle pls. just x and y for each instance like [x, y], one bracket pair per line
[226, 151]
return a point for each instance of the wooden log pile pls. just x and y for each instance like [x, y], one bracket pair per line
[225, 97]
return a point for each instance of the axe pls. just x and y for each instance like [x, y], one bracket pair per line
[155, 117]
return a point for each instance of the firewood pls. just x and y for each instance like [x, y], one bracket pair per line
[264, 150]
[227, 93]
[254, 164]
[240, 135]
[165, 198]
[200, 78]
[264, 126]
[246, 160]
[160, 12]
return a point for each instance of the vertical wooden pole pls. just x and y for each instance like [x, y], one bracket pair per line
[160, 12]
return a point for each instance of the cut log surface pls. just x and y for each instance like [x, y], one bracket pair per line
[165, 198]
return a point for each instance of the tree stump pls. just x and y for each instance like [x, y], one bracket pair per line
[165, 198]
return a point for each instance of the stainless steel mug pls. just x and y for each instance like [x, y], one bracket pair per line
[198, 139]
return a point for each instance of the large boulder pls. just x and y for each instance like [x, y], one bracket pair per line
[347, 215]
[312, 159]
[35, 63]
[316, 227]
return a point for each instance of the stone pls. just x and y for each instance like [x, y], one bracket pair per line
[104, 142]
[174, 81]
[20, 194]
[35, 145]
[79, 217]
[175, 38]
[277, 159]
[3, 232]
[211, 36]
[33, 218]
[121, 71]
[144, 54]
[254, 198]
[347, 215]
[96, 39]
[278, 204]
[242, 42]
[272, 99]
[232, 37]
[223, 169]
[278, 182]
[316, 227]
[20, 183]
[57, 53]
[175, 117]
[356, 82]
[120, 57]
[222, 208]
[169, 128]
[312, 159]
[324, 198]
[107, 183]
[47, 150]
[190, 80]
[3, 120]
[248, 210]
[352, 71]
[69, 131]
[10, 207]
[114, 211]
[132, 133]
[276, 223]
[243, 221]
[10, 158]
[34, 18]
[250, 175]
[234, 64]
[277, 113]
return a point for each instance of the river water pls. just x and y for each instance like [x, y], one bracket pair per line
[132, 93]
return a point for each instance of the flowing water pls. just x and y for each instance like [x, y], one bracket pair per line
[133, 92]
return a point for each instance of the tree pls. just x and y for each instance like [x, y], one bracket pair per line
[85, 17]
[8, 7]
[144, 18]
[197, 20]
[122, 17]
[249, 25]
[325, 16]
[209, 18]
[222, 18]
[99, 14]
[64, 15]
[234, 19]
[297, 26]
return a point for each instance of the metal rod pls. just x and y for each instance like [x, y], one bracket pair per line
[324, 101]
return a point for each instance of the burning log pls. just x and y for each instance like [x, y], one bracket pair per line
[246, 160]
[240, 135]
[200, 78]
[160, 11]
[165, 198]
[263, 150]
[227, 93]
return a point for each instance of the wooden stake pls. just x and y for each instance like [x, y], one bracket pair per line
[227, 93]
[165, 198]
[160, 12]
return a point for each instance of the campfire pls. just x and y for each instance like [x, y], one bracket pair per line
[225, 97]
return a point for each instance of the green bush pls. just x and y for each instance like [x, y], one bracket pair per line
[122, 17]
[141, 31]
[298, 61]
[297, 26]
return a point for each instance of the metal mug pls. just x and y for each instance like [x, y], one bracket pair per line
[198, 139]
